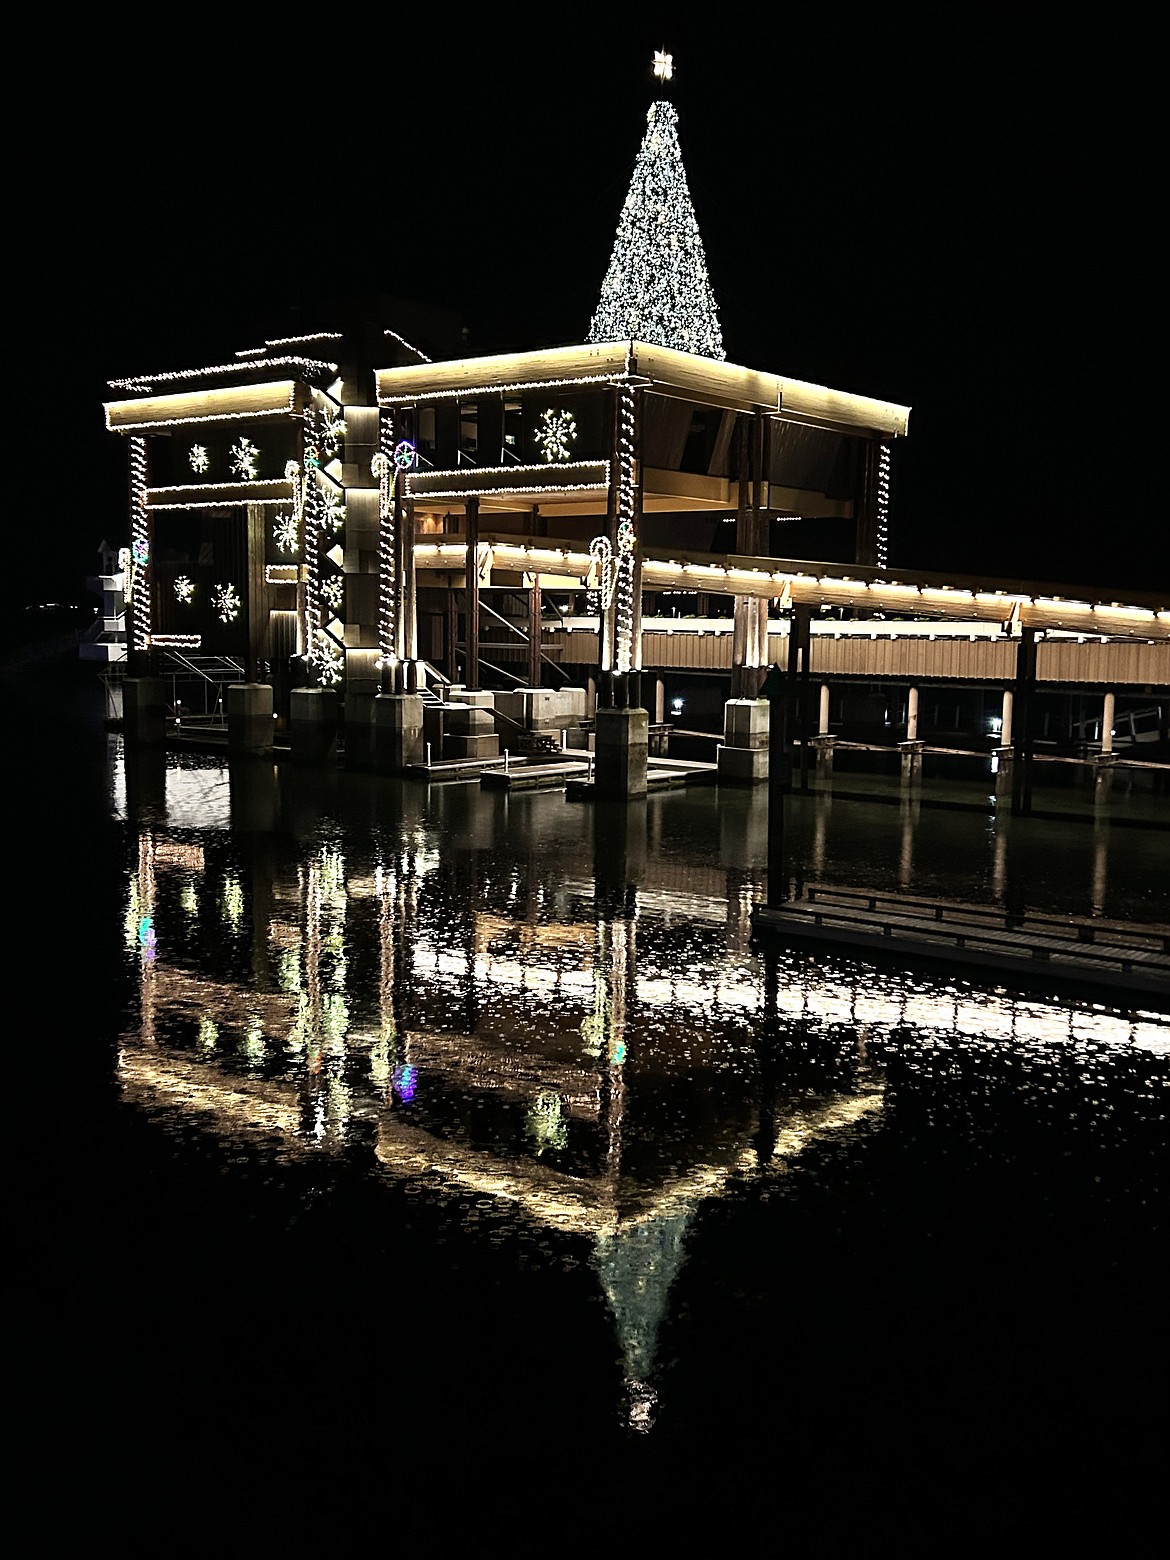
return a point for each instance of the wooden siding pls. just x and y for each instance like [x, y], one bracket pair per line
[953, 659]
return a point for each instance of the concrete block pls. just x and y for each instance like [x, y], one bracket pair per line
[249, 719]
[741, 765]
[471, 747]
[746, 723]
[398, 732]
[313, 717]
[144, 711]
[622, 747]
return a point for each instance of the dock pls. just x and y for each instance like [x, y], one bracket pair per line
[1118, 957]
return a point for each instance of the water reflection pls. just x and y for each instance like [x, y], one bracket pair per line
[552, 1010]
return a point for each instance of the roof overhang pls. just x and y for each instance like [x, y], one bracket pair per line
[659, 369]
[273, 398]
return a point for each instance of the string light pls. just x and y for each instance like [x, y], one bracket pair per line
[244, 456]
[469, 392]
[139, 545]
[556, 431]
[883, 505]
[145, 383]
[286, 533]
[226, 600]
[656, 288]
[332, 510]
[382, 467]
[601, 559]
[626, 539]
[401, 340]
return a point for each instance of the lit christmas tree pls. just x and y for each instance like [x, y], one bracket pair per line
[657, 288]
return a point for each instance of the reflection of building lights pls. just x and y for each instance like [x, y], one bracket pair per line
[147, 940]
[404, 1081]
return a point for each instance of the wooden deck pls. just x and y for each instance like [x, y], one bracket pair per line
[1121, 958]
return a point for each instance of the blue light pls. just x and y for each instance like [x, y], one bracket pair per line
[404, 1080]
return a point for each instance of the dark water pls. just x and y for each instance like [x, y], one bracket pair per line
[407, 1163]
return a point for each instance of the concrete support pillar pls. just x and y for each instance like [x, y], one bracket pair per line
[911, 763]
[622, 738]
[742, 757]
[1104, 765]
[1003, 769]
[313, 715]
[359, 728]
[823, 716]
[823, 746]
[912, 715]
[1005, 725]
[144, 711]
[1108, 710]
[398, 732]
[659, 701]
[249, 720]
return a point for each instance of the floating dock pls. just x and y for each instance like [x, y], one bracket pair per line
[1121, 957]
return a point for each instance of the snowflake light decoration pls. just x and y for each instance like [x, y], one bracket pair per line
[198, 457]
[226, 602]
[284, 533]
[333, 430]
[332, 512]
[244, 456]
[556, 431]
[333, 592]
[184, 589]
[405, 454]
[326, 658]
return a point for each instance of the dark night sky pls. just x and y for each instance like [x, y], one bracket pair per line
[953, 211]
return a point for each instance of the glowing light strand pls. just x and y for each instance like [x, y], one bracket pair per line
[382, 467]
[244, 456]
[656, 288]
[227, 603]
[146, 382]
[556, 432]
[139, 546]
[883, 507]
[601, 555]
[626, 538]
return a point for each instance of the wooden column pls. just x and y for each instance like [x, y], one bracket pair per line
[534, 607]
[471, 675]
[865, 534]
[452, 645]
[744, 534]
[1023, 716]
[256, 600]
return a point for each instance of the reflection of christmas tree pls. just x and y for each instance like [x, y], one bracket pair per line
[657, 289]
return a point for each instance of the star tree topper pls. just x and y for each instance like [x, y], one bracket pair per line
[663, 65]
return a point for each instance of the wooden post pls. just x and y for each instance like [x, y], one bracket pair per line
[802, 623]
[452, 646]
[866, 505]
[779, 781]
[534, 609]
[256, 602]
[472, 591]
[1023, 716]
[744, 537]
